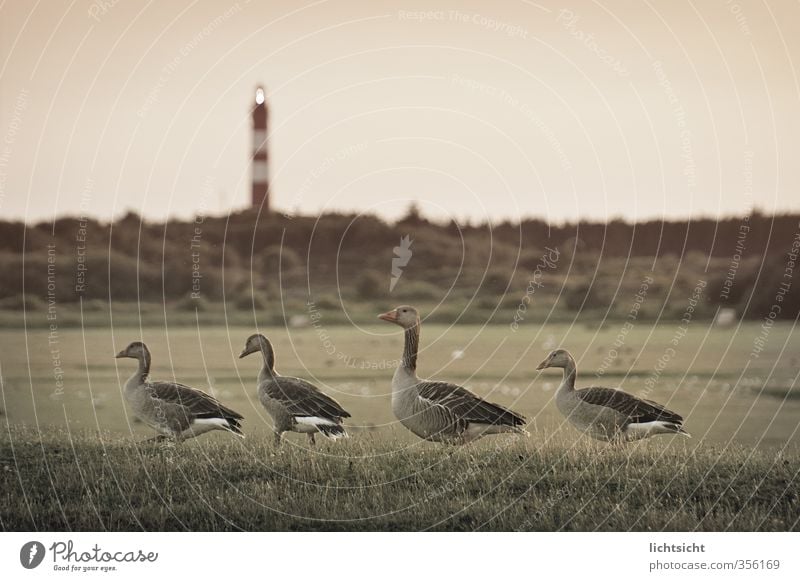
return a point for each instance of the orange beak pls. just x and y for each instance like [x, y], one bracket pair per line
[391, 316]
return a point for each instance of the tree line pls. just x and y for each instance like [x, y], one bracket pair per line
[247, 256]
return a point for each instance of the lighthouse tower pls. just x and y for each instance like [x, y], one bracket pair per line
[260, 192]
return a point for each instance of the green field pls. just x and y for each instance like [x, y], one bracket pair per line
[71, 460]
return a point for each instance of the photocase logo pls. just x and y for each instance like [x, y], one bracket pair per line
[402, 254]
[31, 554]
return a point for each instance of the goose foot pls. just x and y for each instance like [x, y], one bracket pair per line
[154, 439]
[312, 440]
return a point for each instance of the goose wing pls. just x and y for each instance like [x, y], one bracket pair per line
[198, 403]
[636, 409]
[466, 406]
[302, 399]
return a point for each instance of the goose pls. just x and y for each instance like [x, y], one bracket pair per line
[176, 411]
[435, 410]
[294, 404]
[611, 415]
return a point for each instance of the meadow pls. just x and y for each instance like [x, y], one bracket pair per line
[72, 458]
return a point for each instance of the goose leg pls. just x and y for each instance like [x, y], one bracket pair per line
[277, 438]
[311, 440]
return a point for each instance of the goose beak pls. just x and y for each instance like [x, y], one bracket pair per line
[244, 353]
[120, 355]
[542, 365]
[391, 316]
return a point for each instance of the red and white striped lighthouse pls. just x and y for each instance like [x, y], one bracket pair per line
[260, 193]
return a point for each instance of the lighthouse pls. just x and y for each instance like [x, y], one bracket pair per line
[260, 191]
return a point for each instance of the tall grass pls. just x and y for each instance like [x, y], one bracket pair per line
[67, 480]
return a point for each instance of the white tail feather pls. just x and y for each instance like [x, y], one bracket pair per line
[648, 429]
[328, 428]
[315, 421]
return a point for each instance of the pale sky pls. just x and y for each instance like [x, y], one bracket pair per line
[560, 110]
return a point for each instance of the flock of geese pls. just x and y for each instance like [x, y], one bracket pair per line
[433, 410]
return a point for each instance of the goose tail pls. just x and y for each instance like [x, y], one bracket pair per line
[234, 427]
[333, 432]
[522, 431]
[647, 429]
[675, 428]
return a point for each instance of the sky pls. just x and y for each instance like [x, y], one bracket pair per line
[475, 111]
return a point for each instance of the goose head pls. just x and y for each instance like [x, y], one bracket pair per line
[404, 315]
[557, 358]
[254, 344]
[136, 350]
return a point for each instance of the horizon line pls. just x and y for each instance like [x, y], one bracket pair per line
[470, 222]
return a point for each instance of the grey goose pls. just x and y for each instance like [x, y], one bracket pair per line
[435, 410]
[174, 410]
[294, 404]
[611, 415]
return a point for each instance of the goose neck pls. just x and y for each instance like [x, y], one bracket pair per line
[144, 364]
[411, 348]
[268, 354]
[142, 371]
[570, 374]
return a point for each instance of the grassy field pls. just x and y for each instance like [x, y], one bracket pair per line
[70, 458]
[80, 481]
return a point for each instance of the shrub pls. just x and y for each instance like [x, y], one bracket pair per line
[19, 302]
[585, 296]
[327, 301]
[95, 305]
[276, 258]
[371, 285]
[190, 304]
[417, 290]
[247, 301]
